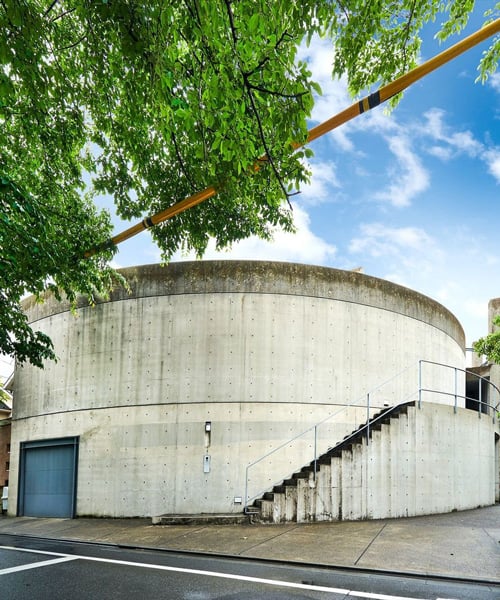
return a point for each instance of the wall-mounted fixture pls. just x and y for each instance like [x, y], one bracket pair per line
[206, 463]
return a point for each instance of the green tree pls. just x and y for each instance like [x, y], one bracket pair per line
[489, 345]
[4, 396]
[156, 100]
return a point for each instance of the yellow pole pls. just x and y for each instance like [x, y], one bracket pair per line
[363, 105]
[401, 83]
[168, 213]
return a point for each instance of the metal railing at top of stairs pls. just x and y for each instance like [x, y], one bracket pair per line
[367, 400]
[484, 406]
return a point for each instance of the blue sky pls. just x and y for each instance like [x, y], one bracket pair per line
[412, 197]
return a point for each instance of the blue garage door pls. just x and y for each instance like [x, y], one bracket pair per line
[48, 478]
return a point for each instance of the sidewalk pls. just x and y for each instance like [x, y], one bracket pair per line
[461, 544]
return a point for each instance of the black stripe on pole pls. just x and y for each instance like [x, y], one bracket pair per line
[374, 99]
[369, 102]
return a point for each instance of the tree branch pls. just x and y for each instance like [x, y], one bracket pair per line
[407, 28]
[7, 15]
[63, 14]
[258, 88]
[51, 6]
[267, 58]
[74, 44]
[249, 90]
[194, 13]
[269, 157]
[231, 21]
[181, 162]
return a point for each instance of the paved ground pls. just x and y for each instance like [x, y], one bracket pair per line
[461, 544]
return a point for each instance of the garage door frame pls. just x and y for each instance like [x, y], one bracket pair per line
[25, 447]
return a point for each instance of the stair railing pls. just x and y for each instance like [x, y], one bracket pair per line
[417, 390]
[485, 406]
[366, 401]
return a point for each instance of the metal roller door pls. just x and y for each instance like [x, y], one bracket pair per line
[47, 486]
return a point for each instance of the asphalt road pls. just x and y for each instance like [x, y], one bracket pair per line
[38, 569]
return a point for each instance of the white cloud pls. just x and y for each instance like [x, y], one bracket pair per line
[454, 142]
[409, 179]
[446, 291]
[319, 58]
[477, 308]
[334, 97]
[458, 142]
[341, 137]
[379, 240]
[303, 246]
[492, 159]
[323, 179]
[440, 152]
[494, 81]
[6, 367]
[433, 125]
[445, 266]
[408, 256]
[463, 141]
[114, 264]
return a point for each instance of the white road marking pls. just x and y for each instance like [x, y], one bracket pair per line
[44, 563]
[274, 582]
[31, 551]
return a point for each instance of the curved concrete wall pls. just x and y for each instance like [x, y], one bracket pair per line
[261, 350]
[493, 311]
[492, 370]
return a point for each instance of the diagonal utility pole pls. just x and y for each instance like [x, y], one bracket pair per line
[367, 103]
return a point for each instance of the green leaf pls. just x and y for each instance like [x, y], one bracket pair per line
[149, 102]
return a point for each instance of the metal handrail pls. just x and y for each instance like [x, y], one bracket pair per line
[456, 394]
[369, 422]
[290, 441]
[464, 397]
[357, 402]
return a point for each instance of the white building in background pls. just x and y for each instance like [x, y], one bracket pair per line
[182, 395]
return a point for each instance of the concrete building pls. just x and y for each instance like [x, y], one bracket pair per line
[208, 383]
[483, 383]
[481, 366]
[5, 440]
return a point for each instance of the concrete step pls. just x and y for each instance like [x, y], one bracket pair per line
[201, 519]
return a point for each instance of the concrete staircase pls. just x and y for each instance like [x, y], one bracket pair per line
[336, 485]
